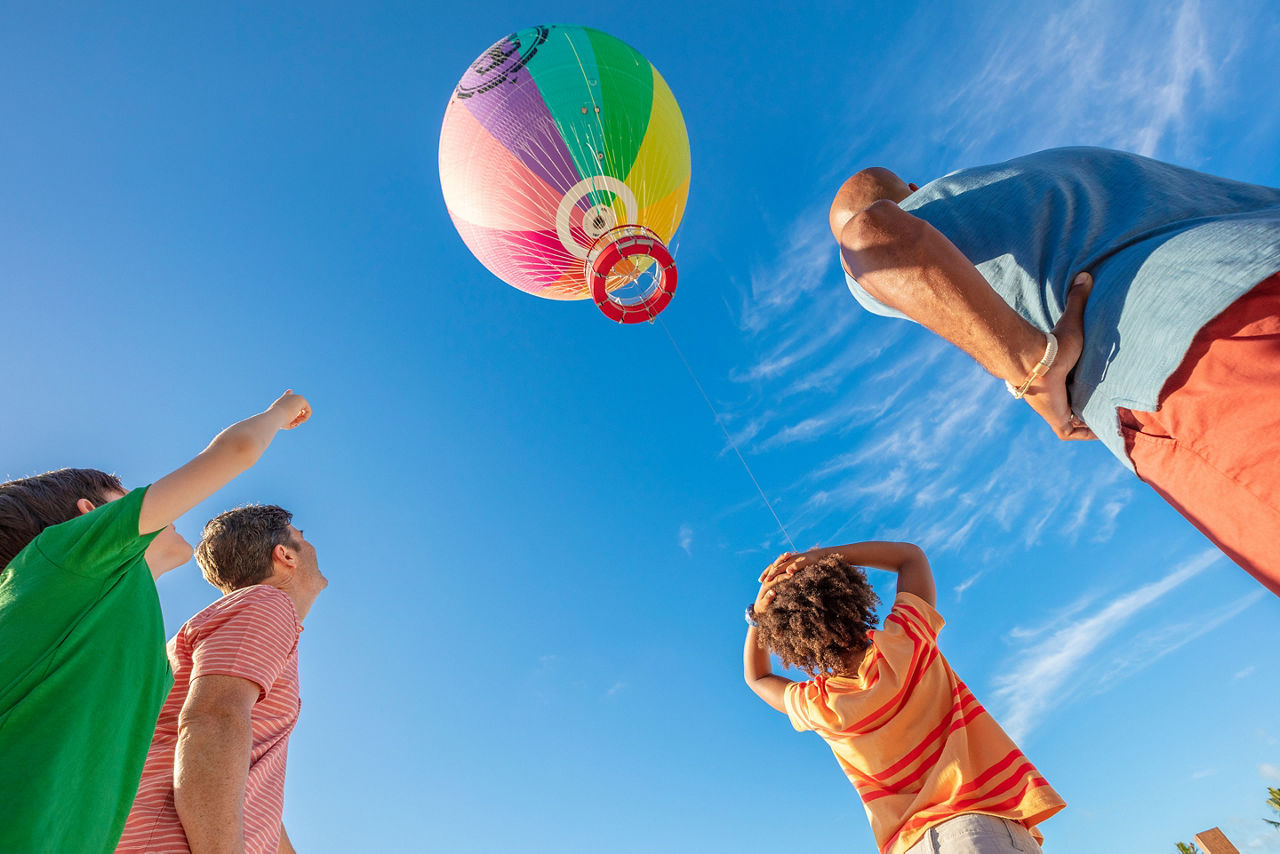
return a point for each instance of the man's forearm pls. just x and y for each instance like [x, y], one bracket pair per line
[909, 265]
[211, 768]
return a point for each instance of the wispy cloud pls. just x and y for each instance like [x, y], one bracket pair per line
[885, 429]
[685, 538]
[1240, 674]
[1084, 76]
[804, 259]
[1044, 677]
[1156, 643]
[1267, 771]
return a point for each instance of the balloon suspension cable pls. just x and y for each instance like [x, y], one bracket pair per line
[732, 444]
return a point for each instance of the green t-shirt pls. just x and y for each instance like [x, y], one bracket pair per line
[83, 674]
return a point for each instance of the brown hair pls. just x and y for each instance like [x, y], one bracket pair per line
[31, 504]
[235, 549]
[820, 617]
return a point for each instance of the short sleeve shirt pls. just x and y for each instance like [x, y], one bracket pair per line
[912, 738]
[1169, 249]
[251, 634]
[83, 675]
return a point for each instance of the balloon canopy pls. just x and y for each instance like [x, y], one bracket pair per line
[564, 162]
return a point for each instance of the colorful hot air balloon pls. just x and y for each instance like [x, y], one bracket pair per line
[564, 162]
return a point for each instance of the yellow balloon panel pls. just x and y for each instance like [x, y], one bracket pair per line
[663, 162]
[663, 216]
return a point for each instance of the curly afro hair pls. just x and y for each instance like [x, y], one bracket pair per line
[820, 616]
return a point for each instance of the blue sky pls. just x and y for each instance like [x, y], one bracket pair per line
[539, 542]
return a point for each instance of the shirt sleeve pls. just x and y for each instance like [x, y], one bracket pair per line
[252, 639]
[100, 542]
[827, 703]
[915, 616]
[798, 699]
[869, 302]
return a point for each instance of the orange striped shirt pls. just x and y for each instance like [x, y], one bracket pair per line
[251, 633]
[913, 740]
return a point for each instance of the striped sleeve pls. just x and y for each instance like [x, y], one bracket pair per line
[826, 703]
[916, 616]
[252, 639]
[797, 698]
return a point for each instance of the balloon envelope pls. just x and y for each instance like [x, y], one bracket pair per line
[555, 137]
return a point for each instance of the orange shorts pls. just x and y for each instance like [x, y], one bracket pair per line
[1213, 448]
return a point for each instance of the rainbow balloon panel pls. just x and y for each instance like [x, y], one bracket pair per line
[553, 137]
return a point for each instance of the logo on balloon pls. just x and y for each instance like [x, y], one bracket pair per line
[495, 66]
[599, 218]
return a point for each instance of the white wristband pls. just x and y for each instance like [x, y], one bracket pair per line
[1042, 367]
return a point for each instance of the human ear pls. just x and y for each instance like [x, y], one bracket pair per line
[84, 505]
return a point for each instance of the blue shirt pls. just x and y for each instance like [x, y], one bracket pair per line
[1169, 249]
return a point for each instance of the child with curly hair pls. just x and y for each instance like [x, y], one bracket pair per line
[936, 773]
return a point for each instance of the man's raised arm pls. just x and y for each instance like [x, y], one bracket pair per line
[907, 264]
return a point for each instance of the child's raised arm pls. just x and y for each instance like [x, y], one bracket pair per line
[906, 559]
[757, 669]
[231, 452]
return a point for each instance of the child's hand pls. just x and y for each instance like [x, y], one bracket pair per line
[777, 568]
[293, 409]
[789, 563]
[786, 564]
[763, 599]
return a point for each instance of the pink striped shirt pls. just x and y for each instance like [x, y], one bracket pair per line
[253, 634]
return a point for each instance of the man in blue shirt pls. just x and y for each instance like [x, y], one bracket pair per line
[1002, 261]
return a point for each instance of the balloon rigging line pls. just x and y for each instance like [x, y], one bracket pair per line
[729, 438]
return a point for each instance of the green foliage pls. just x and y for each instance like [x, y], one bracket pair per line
[1187, 848]
[1274, 802]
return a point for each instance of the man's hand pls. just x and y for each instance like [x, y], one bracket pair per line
[1048, 395]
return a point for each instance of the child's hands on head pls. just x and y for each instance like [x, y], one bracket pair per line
[783, 567]
[786, 565]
